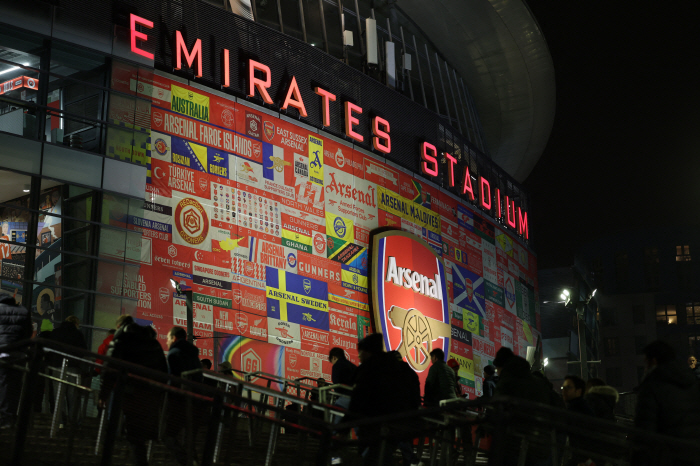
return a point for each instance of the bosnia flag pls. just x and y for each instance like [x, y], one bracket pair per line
[297, 299]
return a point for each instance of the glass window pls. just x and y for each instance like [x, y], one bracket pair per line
[666, 314]
[15, 219]
[20, 57]
[71, 165]
[267, 14]
[692, 311]
[291, 19]
[683, 253]
[312, 20]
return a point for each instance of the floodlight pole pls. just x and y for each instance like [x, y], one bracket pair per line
[582, 350]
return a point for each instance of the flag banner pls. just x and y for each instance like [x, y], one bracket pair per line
[297, 299]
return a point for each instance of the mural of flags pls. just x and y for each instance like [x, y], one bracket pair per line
[297, 299]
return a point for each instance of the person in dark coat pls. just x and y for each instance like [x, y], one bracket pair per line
[183, 356]
[490, 381]
[602, 398]
[555, 398]
[68, 333]
[440, 383]
[667, 399]
[141, 402]
[516, 381]
[572, 391]
[375, 393]
[342, 372]
[15, 325]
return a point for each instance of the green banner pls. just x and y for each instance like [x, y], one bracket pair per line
[211, 300]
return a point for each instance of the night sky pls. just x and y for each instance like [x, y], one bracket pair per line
[624, 151]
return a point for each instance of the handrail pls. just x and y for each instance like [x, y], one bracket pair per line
[506, 418]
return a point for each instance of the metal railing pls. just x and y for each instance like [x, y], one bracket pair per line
[251, 423]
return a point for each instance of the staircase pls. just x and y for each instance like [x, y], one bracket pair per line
[41, 450]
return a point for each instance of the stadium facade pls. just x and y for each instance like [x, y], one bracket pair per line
[250, 154]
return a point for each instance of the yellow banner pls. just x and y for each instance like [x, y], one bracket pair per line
[189, 103]
[471, 321]
[356, 279]
[340, 227]
[315, 160]
[296, 237]
[348, 302]
[391, 202]
[528, 333]
[466, 366]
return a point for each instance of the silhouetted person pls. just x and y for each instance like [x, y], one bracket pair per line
[15, 325]
[440, 383]
[206, 366]
[141, 402]
[490, 381]
[555, 398]
[572, 391]
[516, 380]
[68, 332]
[375, 392]
[225, 368]
[667, 400]
[183, 356]
[406, 446]
[602, 398]
[342, 372]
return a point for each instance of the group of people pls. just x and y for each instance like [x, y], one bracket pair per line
[383, 384]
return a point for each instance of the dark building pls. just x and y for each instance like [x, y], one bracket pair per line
[650, 289]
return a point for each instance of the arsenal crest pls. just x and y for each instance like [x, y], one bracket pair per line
[269, 130]
[410, 298]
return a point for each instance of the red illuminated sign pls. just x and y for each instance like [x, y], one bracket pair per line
[260, 81]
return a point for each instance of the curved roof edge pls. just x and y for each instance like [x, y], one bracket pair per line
[498, 47]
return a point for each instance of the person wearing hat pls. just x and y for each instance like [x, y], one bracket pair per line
[225, 368]
[453, 364]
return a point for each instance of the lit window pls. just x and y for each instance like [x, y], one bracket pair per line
[666, 315]
[682, 253]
